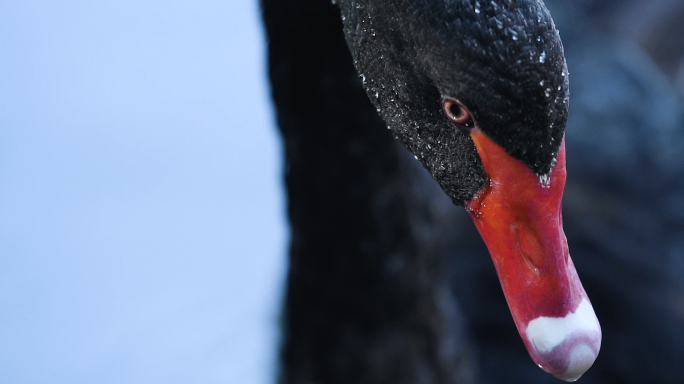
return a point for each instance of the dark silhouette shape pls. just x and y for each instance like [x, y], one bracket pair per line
[367, 294]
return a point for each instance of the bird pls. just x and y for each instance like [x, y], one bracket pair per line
[625, 140]
[368, 295]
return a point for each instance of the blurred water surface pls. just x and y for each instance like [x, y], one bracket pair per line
[141, 218]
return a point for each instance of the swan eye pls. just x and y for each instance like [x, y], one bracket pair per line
[457, 112]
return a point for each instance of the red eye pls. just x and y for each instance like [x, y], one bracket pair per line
[457, 112]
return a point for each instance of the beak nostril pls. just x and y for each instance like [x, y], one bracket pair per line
[529, 246]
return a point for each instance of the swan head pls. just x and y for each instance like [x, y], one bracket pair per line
[478, 91]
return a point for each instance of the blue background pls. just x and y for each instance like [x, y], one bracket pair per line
[142, 228]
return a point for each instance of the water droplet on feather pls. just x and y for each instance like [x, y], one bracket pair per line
[545, 180]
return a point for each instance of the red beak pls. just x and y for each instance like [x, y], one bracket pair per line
[518, 214]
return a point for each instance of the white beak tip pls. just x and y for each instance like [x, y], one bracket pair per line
[580, 359]
[566, 347]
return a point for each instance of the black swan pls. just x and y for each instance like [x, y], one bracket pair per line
[622, 211]
[478, 92]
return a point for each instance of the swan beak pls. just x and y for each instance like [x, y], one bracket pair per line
[518, 214]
